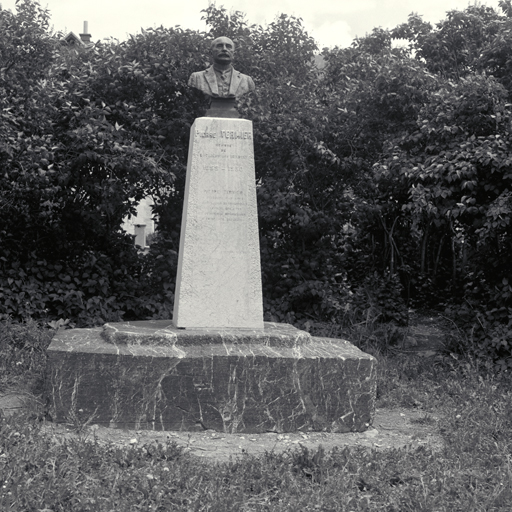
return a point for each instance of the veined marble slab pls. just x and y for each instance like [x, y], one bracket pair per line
[165, 333]
[114, 380]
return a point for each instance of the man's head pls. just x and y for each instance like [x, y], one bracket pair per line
[223, 51]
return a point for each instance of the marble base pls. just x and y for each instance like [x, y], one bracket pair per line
[151, 375]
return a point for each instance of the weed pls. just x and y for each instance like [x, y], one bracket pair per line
[22, 352]
[369, 335]
[427, 419]
[309, 463]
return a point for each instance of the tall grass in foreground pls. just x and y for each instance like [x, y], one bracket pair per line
[473, 472]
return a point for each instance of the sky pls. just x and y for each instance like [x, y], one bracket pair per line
[330, 22]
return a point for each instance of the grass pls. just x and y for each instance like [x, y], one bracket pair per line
[22, 354]
[472, 472]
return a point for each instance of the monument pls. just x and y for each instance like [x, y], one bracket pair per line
[216, 364]
[219, 277]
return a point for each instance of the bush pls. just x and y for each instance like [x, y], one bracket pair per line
[92, 288]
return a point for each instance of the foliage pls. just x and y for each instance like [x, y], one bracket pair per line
[484, 332]
[453, 48]
[457, 165]
[318, 200]
[26, 48]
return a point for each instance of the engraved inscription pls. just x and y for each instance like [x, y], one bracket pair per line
[224, 134]
[224, 205]
[204, 135]
[233, 134]
[217, 168]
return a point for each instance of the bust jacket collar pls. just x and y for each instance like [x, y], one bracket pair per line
[212, 81]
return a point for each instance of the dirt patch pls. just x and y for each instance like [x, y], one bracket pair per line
[392, 428]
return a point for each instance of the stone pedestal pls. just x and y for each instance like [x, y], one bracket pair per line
[218, 366]
[219, 277]
[151, 375]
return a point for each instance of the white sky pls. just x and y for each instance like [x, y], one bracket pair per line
[330, 22]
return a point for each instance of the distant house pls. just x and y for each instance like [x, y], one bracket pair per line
[142, 224]
[72, 39]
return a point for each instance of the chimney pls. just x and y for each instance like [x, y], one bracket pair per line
[86, 37]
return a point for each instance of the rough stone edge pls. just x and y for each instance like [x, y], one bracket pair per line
[92, 341]
[164, 333]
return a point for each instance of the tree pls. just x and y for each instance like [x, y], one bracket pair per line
[460, 170]
[81, 144]
[452, 49]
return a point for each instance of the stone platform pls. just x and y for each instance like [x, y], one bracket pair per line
[152, 375]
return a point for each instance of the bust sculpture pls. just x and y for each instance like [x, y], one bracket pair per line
[221, 80]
